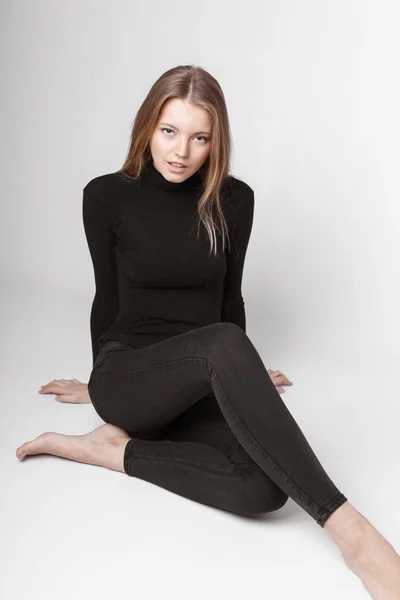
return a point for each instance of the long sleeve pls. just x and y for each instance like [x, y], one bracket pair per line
[101, 242]
[233, 309]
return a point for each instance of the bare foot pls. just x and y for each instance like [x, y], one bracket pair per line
[103, 446]
[376, 563]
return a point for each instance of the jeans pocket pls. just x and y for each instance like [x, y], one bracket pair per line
[109, 346]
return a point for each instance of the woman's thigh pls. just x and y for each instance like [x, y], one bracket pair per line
[142, 390]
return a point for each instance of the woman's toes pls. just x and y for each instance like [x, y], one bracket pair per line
[23, 450]
[35, 446]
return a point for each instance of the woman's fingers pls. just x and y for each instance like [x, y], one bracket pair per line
[54, 387]
[280, 378]
[51, 388]
[55, 381]
[60, 382]
[66, 398]
[68, 388]
[283, 380]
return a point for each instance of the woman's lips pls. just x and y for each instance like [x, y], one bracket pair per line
[176, 169]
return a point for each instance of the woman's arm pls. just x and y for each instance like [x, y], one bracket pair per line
[97, 221]
[233, 310]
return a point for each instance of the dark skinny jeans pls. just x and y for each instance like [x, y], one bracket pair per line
[207, 423]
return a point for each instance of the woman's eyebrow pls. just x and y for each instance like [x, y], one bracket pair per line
[173, 127]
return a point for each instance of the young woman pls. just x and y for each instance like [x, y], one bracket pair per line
[186, 399]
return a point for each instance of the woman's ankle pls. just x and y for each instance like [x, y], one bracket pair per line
[346, 527]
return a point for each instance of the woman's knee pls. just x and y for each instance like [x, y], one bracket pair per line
[230, 345]
[261, 495]
[228, 334]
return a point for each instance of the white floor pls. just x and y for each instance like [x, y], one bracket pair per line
[70, 530]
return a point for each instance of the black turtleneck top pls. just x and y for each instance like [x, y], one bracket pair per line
[154, 278]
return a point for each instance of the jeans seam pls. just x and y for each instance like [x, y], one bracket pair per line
[188, 463]
[132, 371]
[329, 508]
[262, 452]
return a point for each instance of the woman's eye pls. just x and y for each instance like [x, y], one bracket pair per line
[166, 129]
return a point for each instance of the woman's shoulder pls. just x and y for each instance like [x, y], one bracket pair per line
[236, 191]
[102, 185]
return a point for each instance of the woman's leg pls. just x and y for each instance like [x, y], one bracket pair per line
[197, 456]
[366, 552]
[144, 390]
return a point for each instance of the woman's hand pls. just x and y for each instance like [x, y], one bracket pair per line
[279, 379]
[67, 390]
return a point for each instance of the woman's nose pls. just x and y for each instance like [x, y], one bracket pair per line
[182, 149]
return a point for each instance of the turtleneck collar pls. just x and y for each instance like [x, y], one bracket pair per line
[155, 178]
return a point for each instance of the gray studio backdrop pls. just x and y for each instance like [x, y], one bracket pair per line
[312, 90]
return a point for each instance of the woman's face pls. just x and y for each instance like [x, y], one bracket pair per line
[182, 135]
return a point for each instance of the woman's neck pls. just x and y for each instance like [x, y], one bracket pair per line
[156, 179]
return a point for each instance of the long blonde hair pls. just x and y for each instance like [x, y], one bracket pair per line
[198, 87]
